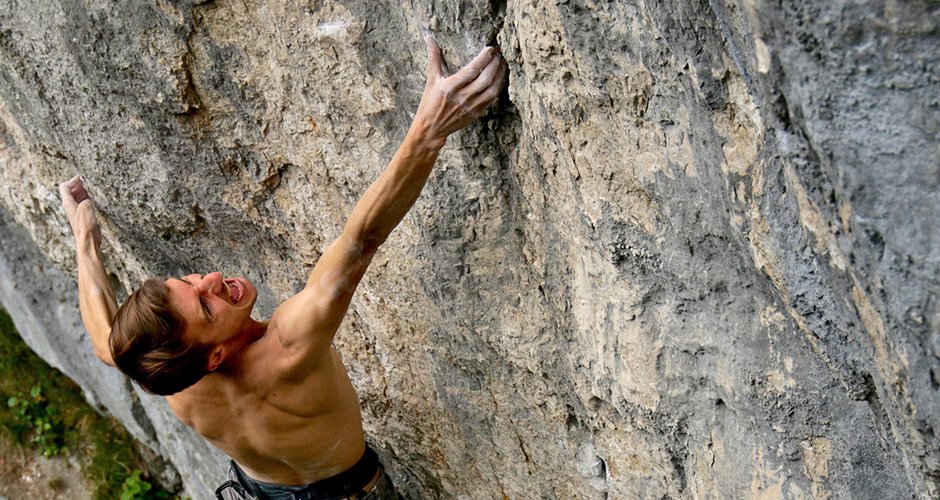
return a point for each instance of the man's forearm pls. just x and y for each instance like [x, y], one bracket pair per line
[447, 105]
[390, 197]
[95, 297]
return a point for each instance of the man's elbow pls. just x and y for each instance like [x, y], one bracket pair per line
[104, 355]
[371, 246]
[363, 244]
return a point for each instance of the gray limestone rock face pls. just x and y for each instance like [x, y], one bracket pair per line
[692, 252]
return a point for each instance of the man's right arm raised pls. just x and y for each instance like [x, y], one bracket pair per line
[95, 297]
[307, 322]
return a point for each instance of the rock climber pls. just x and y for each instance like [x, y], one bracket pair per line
[274, 395]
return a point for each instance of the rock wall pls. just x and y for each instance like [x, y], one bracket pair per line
[692, 252]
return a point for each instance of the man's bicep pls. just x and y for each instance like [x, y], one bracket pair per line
[311, 318]
[341, 266]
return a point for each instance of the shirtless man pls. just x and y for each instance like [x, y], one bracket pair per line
[274, 395]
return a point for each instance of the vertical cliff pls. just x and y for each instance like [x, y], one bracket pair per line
[692, 252]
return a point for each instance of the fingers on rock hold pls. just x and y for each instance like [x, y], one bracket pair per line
[473, 69]
[491, 73]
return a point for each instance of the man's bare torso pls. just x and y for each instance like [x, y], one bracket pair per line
[279, 430]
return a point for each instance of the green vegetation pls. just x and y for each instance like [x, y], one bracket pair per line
[34, 415]
[46, 411]
[136, 488]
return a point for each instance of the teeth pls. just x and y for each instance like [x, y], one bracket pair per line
[236, 291]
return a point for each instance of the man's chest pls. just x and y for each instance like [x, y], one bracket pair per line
[261, 396]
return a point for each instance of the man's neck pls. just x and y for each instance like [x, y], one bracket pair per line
[253, 331]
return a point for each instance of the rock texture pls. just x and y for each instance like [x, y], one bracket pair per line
[691, 253]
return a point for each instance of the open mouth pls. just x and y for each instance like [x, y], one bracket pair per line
[235, 290]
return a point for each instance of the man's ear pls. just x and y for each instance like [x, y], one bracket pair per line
[216, 356]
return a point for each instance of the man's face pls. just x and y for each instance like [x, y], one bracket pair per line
[215, 308]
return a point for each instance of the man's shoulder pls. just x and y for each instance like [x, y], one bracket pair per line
[294, 339]
[181, 404]
[214, 388]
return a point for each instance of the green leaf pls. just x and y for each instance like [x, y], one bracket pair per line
[12, 401]
[35, 391]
